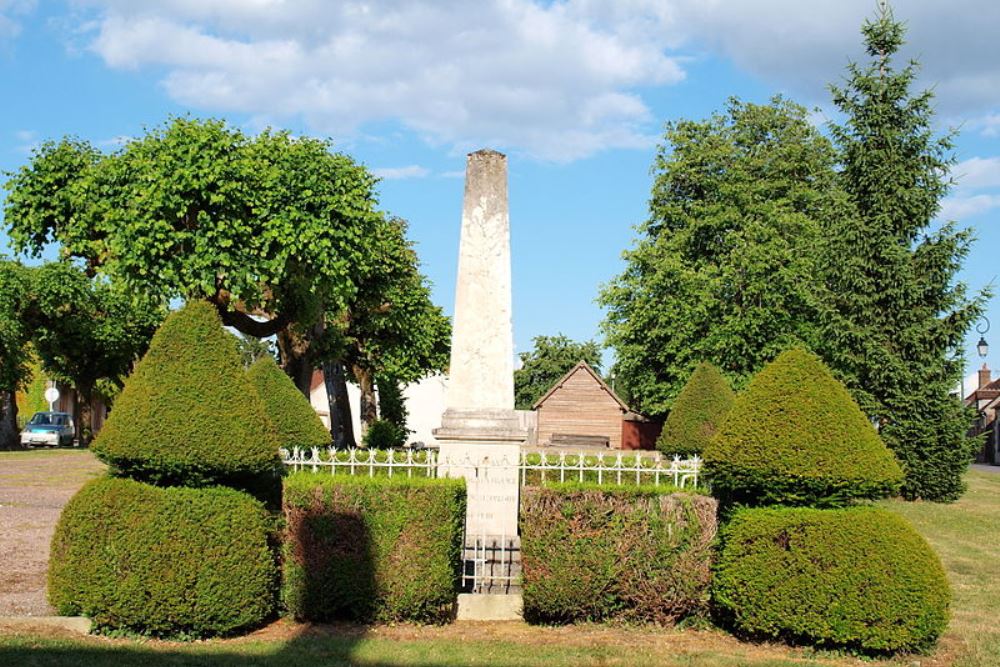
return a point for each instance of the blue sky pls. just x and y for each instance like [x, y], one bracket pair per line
[576, 93]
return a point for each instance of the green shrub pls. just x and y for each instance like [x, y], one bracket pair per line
[382, 434]
[372, 549]
[592, 554]
[859, 578]
[189, 414]
[291, 413]
[696, 414]
[163, 561]
[795, 436]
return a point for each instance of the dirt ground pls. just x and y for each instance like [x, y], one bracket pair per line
[34, 486]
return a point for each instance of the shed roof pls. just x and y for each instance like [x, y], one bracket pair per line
[583, 365]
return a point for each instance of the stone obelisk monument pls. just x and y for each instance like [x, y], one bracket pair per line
[479, 436]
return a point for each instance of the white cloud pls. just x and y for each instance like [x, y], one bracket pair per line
[977, 172]
[961, 207]
[11, 12]
[399, 173]
[804, 46]
[558, 80]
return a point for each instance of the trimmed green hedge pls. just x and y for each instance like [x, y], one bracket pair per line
[293, 416]
[633, 554]
[697, 413]
[163, 561]
[372, 549]
[189, 415]
[795, 436]
[859, 578]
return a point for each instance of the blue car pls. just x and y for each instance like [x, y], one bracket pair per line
[53, 429]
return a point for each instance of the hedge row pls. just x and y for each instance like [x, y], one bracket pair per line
[372, 549]
[635, 554]
[163, 561]
[860, 578]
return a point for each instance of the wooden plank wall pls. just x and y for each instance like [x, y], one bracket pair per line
[580, 407]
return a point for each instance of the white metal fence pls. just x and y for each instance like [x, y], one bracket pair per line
[534, 468]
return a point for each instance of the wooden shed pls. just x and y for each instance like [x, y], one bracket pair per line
[580, 409]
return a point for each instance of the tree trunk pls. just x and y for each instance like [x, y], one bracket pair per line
[341, 425]
[296, 359]
[8, 422]
[84, 415]
[369, 407]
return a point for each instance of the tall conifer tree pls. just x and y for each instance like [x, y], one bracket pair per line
[896, 316]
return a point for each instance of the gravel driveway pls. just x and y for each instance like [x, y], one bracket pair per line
[34, 486]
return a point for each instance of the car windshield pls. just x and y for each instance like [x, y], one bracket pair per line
[46, 419]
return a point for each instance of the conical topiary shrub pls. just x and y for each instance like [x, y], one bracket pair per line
[188, 414]
[297, 423]
[699, 409]
[795, 436]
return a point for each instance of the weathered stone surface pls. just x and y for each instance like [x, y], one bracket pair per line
[489, 607]
[480, 434]
[481, 374]
[491, 477]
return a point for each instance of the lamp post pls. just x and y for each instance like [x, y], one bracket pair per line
[982, 347]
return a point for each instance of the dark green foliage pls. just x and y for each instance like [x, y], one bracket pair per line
[896, 316]
[594, 554]
[795, 436]
[372, 549]
[551, 358]
[189, 414]
[384, 434]
[860, 578]
[291, 413]
[698, 411]
[391, 402]
[724, 269]
[163, 561]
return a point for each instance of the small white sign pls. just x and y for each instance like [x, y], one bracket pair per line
[51, 395]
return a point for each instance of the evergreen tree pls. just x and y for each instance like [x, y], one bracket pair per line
[895, 316]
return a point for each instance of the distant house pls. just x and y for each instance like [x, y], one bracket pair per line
[581, 409]
[986, 399]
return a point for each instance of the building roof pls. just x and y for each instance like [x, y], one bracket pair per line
[597, 378]
[987, 392]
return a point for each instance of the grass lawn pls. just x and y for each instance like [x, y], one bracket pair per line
[964, 534]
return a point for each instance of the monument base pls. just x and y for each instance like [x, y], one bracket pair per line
[489, 607]
[499, 426]
[490, 470]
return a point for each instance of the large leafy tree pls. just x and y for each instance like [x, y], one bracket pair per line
[550, 358]
[272, 229]
[723, 270]
[83, 331]
[895, 316]
[391, 328]
[15, 359]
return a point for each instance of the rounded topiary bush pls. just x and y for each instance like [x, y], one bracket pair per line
[163, 561]
[795, 436]
[189, 414]
[859, 578]
[695, 416]
[295, 419]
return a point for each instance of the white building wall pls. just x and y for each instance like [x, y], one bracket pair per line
[424, 403]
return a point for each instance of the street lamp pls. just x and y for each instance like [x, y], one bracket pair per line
[982, 347]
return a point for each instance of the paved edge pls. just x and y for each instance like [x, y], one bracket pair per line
[78, 624]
